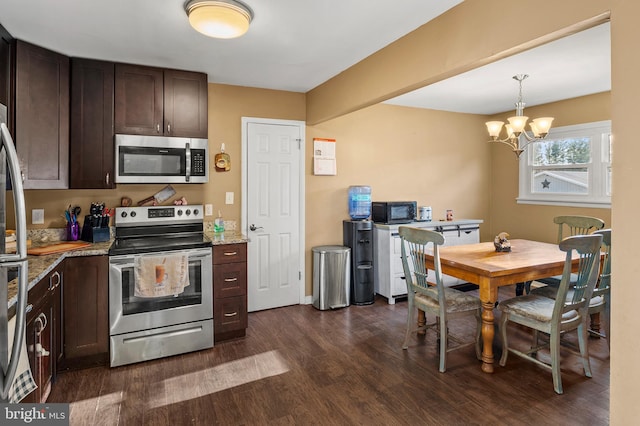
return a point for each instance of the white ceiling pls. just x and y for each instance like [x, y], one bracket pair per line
[291, 44]
[296, 45]
[573, 66]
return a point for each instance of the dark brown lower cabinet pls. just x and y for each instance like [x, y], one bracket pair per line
[43, 333]
[86, 312]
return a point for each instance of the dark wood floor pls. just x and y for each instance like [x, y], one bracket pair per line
[301, 366]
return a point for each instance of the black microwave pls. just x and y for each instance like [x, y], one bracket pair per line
[390, 212]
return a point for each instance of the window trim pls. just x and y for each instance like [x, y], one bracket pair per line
[596, 197]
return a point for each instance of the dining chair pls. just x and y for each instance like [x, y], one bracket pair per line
[567, 226]
[437, 300]
[559, 316]
[600, 302]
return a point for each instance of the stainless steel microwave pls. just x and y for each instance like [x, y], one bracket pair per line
[159, 159]
[391, 212]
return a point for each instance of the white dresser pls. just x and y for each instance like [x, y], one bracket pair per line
[389, 278]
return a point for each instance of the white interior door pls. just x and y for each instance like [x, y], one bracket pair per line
[273, 205]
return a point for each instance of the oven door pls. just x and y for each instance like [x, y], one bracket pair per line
[128, 313]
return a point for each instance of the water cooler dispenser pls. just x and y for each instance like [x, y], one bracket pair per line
[358, 235]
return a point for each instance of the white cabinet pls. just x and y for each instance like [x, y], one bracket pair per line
[389, 278]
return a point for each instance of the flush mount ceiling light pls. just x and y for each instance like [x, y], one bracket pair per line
[515, 129]
[219, 18]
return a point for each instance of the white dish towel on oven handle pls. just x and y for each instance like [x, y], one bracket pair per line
[161, 276]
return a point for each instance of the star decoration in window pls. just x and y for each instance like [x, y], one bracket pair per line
[545, 184]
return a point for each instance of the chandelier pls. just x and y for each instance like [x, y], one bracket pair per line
[515, 129]
[219, 18]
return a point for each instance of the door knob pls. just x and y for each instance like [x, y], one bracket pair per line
[254, 228]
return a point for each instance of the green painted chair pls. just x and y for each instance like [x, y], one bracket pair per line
[601, 299]
[567, 226]
[559, 316]
[443, 303]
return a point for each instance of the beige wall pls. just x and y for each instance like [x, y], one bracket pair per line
[432, 157]
[227, 104]
[625, 92]
[536, 221]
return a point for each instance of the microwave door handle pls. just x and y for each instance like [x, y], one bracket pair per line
[188, 162]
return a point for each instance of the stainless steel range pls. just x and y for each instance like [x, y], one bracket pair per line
[160, 283]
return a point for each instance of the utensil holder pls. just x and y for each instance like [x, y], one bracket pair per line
[73, 231]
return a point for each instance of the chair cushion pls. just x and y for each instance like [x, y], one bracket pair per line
[457, 301]
[551, 292]
[533, 306]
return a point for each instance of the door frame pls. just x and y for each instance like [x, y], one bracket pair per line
[301, 207]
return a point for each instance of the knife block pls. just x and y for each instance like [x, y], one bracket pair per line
[94, 234]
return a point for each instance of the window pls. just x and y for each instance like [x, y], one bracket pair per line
[571, 167]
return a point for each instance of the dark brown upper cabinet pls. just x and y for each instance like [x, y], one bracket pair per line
[92, 126]
[155, 101]
[42, 116]
[6, 63]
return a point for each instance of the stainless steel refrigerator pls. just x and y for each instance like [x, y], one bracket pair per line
[11, 263]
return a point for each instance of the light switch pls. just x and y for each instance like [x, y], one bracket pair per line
[37, 216]
[229, 198]
[208, 209]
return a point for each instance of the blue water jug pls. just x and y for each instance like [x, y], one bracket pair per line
[359, 202]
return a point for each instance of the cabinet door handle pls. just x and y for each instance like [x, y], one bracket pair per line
[56, 275]
[169, 128]
[41, 323]
[230, 253]
[157, 128]
[107, 179]
[230, 280]
[29, 308]
[231, 314]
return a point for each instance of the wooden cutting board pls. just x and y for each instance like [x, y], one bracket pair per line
[58, 248]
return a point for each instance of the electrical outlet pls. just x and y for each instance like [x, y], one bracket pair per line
[208, 209]
[229, 198]
[37, 216]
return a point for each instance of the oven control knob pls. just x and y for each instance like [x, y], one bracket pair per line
[123, 214]
[195, 212]
[188, 212]
[133, 214]
[179, 212]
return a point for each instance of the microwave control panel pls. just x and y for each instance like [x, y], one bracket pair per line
[198, 162]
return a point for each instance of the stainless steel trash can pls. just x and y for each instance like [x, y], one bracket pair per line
[331, 277]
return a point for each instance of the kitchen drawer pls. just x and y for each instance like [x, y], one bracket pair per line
[229, 253]
[230, 314]
[230, 279]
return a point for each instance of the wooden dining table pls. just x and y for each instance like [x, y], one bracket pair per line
[480, 264]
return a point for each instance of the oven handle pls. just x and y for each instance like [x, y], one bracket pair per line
[128, 261]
